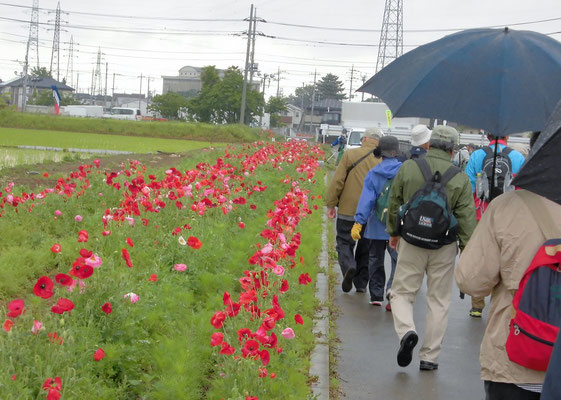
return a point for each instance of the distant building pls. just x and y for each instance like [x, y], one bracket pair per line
[13, 89]
[187, 83]
[291, 117]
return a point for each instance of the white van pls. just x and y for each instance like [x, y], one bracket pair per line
[124, 113]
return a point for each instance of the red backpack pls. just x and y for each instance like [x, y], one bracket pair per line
[537, 302]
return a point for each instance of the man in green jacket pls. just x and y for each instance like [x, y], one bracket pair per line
[414, 262]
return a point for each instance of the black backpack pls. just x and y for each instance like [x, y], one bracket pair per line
[426, 220]
[503, 168]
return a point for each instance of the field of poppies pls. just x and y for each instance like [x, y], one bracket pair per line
[194, 282]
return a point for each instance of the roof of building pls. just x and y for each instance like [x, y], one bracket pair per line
[327, 104]
[38, 83]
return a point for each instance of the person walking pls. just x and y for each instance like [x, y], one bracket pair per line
[343, 193]
[480, 161]
[371, 214]
[494, 261]
[420, 137]
[342, 142]
[414, 261]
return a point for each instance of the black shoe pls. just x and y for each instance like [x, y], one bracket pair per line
[405, 353]
[428, 366]
[360, 290]
[347, 284]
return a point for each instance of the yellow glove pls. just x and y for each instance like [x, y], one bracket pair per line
[355, 231]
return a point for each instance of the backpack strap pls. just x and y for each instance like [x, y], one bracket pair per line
[425, 168]
[540, 214]
[355, 164]
[506, 151]
[488, 151]
[449, 174]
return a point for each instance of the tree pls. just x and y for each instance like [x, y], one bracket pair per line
[274, 106]
[45, 98]
[40, 72]
[302, 95]
[168, 105]
[330, 87]
[220, 99]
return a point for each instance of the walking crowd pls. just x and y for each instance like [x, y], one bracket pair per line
[426, 207]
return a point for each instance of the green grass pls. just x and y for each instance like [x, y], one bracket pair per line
[65, 140]
[10, 158]
[169, 129]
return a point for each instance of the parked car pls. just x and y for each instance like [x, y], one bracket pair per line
[124, 113]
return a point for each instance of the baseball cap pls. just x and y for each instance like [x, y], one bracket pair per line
[446, 134]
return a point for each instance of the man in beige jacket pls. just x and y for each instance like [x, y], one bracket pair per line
[344, 193]
[497, 255]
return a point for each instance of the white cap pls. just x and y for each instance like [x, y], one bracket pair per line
[420, 135]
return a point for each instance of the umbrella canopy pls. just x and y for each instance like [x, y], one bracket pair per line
[540, 173]
[500, 80]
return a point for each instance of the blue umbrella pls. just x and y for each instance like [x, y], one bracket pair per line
[500, 80]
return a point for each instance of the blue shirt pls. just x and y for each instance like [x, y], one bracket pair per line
[373, 185]
[475, 163]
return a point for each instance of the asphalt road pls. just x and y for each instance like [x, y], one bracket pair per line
[367, 363]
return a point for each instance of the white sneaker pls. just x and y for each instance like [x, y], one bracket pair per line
[376, 303]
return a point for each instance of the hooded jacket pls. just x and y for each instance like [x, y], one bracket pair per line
[494, 261]
[373, 185]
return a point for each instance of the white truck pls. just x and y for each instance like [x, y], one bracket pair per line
[358, 116]
[83, 111]
[133, 114]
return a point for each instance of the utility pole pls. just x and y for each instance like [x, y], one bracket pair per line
[55, 55]
[265, 76]
[352, 78]
[77, 82]
[244, 89]
[113, 91]
[105, 91]
[98, 76]
[140, 96]
[363, 82]
[92, 87]
[70, 65]
[253, 69]
[32, 46]
[313, 101]
[278, 81]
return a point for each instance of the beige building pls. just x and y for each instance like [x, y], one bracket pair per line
[187, 82]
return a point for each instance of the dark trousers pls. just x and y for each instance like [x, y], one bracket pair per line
[376, 270]
[507, 391]
[349, 257]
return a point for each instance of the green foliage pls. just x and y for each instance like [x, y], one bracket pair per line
[274, 106]
[302, 96]
[40, 72]
[168, 105]
[330, 87]
[169, 130]
[220, 99]
[45, 98]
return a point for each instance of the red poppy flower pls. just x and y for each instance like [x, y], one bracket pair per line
[14, 377]
[63, 279]
[251, 398]
[153, 278]
[54, 338]
[46, 174]
[99, 354]
[284, 286]
[217, 320]
[216, 339]
[106, 308]
[48, 385]
[253, 207]
[250, 348]
[55, 248]
[126, 257]
[227, 349]
[144, 221]
[106, 233]
[15, 308]
[44, 287]
[81, 270]
[194, 242]
[83, 236]
[299, 320]
[62, 305]
[241, 225]
[265, 357]
[130, 242]
[85, 253]
[268, 323]
[304, 279]
[53, 394]
[7, 325]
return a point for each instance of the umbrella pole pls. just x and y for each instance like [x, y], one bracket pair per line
[492, 193]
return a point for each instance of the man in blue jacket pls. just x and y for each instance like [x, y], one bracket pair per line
[374, 184]
[474, 167]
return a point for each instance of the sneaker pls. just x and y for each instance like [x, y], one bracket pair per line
[428, 366]
[376, 303]
[347, 284]
[475, 312]
[405, 353]
[388, 305]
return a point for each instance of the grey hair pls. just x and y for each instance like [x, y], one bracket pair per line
[447, 146]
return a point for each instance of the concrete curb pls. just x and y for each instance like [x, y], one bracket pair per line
[319, 366]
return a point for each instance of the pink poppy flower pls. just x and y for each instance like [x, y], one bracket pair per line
[58, 213]
[288, 333]
[78, 218]
[130, 220]
[37, 326]
[278, 270]
[133, 297]
[180, 267]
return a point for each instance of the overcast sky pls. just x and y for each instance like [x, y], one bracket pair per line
[150, 52]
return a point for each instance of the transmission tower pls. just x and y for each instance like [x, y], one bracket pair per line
[33, 41]
[391, 37]
[55, 55]
[97, 81]
[70, 64]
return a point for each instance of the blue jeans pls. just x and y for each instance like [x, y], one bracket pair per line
[376, 271]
